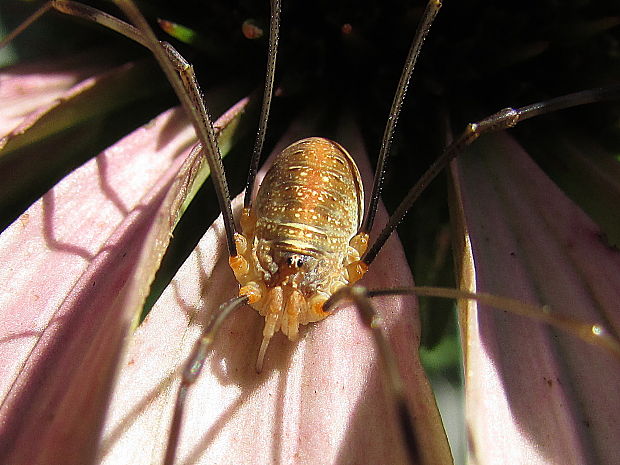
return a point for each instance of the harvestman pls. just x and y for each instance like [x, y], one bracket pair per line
[295, 262]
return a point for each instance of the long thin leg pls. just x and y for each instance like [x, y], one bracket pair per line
[274, 35]
[180, 74]
[504, 119]
[193, 368]
[188, 91]
[395, 387]
[430, 13]
[592, 333]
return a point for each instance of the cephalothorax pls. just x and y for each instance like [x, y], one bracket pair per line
[299, 244]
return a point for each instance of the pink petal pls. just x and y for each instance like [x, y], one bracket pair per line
[65, 107]
[318, 400]
[26, 87]
[535, 395]
[46, 141]
[79, 263]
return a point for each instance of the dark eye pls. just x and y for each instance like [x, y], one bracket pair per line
[296, 260]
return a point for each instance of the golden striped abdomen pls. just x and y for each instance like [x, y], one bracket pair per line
[311, 197]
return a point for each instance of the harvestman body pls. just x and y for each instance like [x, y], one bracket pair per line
[305, 239]
[299, 244]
